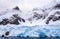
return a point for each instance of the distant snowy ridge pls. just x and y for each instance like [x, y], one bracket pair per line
[36, 15]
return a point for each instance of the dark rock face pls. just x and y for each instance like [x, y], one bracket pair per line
[39, 16]
[19, 18]
[58, 12]
[16, 8]
[47, 22]
[57, 6]
[16, 16]
[2, 36]
[53, 18]
[4, 21]
[7, 33]
[23, 20]
[58, 17]
[49, 18]
[14, 20]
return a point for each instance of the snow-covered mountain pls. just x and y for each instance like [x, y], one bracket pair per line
[35, 15]
[34, 22]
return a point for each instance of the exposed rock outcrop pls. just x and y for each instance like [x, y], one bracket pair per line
[16, 8]
[12, 20]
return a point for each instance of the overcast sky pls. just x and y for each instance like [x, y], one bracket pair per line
[25, 4]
